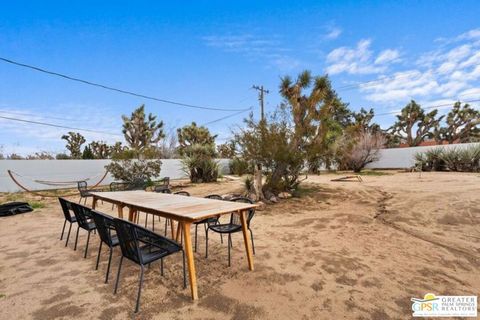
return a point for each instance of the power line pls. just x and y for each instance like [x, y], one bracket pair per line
[430, 107]
[58, 126]
[116, 89]
[226, 117]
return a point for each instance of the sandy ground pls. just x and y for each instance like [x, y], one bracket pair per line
[342, 250]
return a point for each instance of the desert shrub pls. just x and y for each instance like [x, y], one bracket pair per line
[199, 164]
[197, 148]
[240, 166]
[249, 187]
[431, 160]
[134, 170]
[453, 159]
[357, 150]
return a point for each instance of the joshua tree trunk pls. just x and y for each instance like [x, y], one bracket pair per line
[257, 182]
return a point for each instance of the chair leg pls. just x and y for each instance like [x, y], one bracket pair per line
[196, 230]
[108, 267]
[63, 230]
[86, 247]
[206, 244]
[146, 220]
[80, 200]
[166, 226]
[68, 235]
[85, 202]
[98, 256]
[139, 290]
[118, 275]
[76, 240]
[253, 243]
[184, 272]
[229, 245]
[153, 222]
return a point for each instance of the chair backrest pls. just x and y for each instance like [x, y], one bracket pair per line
[162, 189]
[165, 181]
[214, 196]
[117, 186]
[82, 213]
[105, 226]
[66, 207]
[127, 237]
[182, 193]
[138, 184]
[82, 187]
[235, 218]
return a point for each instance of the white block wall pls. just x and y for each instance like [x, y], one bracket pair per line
[74, 170]
[404, 157]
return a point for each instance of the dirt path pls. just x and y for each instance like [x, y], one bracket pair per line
[341, 250]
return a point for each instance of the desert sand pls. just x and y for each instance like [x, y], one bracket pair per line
[341, 250]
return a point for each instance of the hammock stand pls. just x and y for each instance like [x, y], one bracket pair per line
[10, 173]
[354, 178]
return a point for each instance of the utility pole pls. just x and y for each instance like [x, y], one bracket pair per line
[257, 173]
[261, 93]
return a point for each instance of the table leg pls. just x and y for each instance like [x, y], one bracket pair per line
[179, 232]
[120, 211]
[172, 227]
[246, 240]
[131, 213]
[94, 202]
[191, 264]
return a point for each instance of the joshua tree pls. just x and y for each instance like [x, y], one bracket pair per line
[197, 147]
[74, 144]
[463, 124]
[100, 150]
[414, 125]
[142, 132]
[226, 150]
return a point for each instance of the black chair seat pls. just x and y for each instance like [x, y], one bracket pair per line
[90, 226]
[152, 253]
[226, 228]
[115, 241]
[208, 220]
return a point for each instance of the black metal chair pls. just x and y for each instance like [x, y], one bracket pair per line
[66, 208]
[84, 221]
[235, 225]
[107, 233]
[182, 193]
[82, 187]
[164, 184]
[143, 247]
[205, 222]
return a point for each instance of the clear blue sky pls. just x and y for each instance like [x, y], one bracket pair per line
[212, 52]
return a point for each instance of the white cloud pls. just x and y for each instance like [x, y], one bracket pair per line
[255, 47]
[446, 74]
[23, 137]
[388, 55]
[333, 33]
[360, 59]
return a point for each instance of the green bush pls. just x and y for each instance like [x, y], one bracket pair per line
[453, 159]
[239, 167]
[134, 170]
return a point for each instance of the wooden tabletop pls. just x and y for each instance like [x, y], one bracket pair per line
[179, 207]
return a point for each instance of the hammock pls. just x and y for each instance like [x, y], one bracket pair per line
[349, 178]
[11, 174]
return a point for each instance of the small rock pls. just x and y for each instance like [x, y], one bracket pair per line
[284, 195]
[273, 199]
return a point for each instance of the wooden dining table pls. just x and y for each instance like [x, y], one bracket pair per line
[185, 210]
